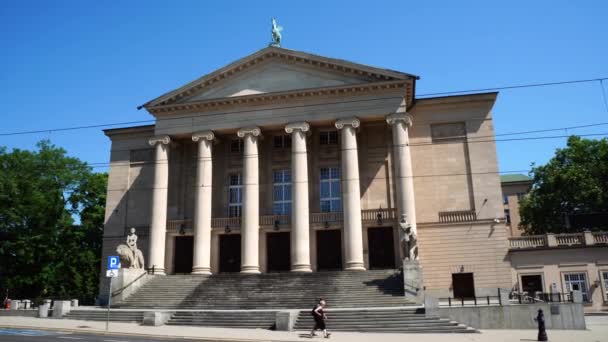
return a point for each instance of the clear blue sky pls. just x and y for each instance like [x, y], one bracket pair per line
[71, 63]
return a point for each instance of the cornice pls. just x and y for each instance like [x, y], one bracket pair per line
[266, 98]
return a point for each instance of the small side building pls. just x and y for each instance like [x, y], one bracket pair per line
[554, 263]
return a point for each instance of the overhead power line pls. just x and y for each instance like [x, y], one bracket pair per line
[518, 86]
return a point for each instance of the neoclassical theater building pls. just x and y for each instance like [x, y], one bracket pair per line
[287, 161]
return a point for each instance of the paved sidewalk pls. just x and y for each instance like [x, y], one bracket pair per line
[597, 331]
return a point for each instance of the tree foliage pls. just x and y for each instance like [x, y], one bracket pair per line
[51, 224]
[574, 183]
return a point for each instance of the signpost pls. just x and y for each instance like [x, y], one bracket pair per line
[111, 272]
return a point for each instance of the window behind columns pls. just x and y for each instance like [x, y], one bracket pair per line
[281, 192]
[328, 138]
[235, 195]
[281, 141]
[330, 192]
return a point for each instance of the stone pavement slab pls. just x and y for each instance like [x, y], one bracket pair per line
[597, 332]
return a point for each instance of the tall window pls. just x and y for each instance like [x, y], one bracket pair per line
[605, 282]
[330, 189]
[505, 199]
[282, 141]
[282, 192]
[520, 196]
[328, 138]
[577, 281]
[236, 145]
[235, 195]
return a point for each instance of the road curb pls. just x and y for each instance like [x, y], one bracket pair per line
[115, 333]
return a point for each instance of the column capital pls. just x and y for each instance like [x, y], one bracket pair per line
[394, 118]
[353, 122]
[254, 131]
[301, 126]
[163, 139]
[207, 135]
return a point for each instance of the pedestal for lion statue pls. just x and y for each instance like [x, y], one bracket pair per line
[413, 284]
[132, 274]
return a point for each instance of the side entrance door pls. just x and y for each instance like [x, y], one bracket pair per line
[381, 248]
[230, 253]
[278, 252]
[463, 285]
[182, 260]
[329, 250]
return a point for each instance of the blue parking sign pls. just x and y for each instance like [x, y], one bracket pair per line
[113, 262]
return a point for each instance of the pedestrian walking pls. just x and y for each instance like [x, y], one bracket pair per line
[320, 318]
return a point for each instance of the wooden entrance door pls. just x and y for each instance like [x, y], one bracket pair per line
[278, 252]
[230, 253]
[381, 247]
[463, 285]
[329, 250]
[182, 260]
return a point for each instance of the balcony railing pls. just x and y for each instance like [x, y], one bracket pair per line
[528, 242]
[457, 216]
[379, 215]
[570, 239]
[326, 217]
[271, 220]
[550, 240]
[600, 237]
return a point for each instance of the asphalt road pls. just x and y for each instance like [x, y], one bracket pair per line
[22, 335]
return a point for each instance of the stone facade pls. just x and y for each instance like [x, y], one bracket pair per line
[560, 263]
[514, 188]
[317, 148]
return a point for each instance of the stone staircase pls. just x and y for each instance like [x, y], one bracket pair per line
[225, 319]
[395, 320]
[236, 291]
[370, 301]
[101, 315]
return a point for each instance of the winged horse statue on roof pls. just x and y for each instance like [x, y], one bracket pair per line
[276, 33]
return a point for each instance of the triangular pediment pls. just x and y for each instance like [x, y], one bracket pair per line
[273, 70]
[275, 75]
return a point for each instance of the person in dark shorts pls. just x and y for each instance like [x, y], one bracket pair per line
[320, 317]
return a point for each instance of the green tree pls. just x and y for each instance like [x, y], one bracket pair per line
[573, 183]
[43, 252]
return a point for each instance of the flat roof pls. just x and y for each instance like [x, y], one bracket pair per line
[515, 178]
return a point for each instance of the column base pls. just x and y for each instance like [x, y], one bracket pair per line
[355, 266]
[250, 269]
[201, 270]
[156, 271]
[301, 268]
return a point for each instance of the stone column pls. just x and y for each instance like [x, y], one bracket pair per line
[351, 194]
[250, 219]
[201, 263]
[300, 230]
[158, 227]
[403, 167]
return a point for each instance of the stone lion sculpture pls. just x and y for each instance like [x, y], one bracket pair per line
[130, 255]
